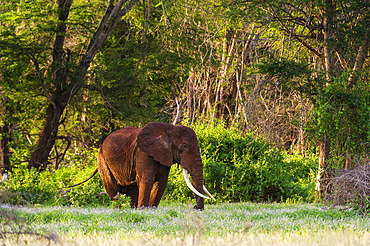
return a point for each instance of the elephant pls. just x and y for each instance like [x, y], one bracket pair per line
[137, 162]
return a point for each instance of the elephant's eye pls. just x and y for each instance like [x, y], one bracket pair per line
[184, 146]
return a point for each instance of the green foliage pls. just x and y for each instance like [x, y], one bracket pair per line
[283, 68]
[291, 75]
[236, 168]
[245, 168]
[133, 62]
[30, 186]
[343, 114]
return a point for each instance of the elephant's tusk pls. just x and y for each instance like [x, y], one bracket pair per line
[5, 177]
[186, 177]
[207, 192]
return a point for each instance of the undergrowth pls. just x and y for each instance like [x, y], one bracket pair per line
[237, 168]
[241, 168]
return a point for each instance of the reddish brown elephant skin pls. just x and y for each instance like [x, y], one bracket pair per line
[137, 161]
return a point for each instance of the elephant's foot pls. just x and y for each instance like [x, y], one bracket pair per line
[198, 208]
[147, 207]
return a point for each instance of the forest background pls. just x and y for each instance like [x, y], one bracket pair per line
[277, 91]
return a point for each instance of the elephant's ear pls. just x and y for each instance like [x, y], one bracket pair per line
[154, 140]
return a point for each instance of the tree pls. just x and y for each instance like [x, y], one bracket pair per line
[267, 63]
[64, 76]
[5, 166]
[336, 33]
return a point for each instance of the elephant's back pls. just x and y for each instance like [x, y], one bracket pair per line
[117, 152]
[121, 139]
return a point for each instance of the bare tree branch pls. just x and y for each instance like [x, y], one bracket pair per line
[180, 112]
[112, 15]
[299, 39]
[360, 59]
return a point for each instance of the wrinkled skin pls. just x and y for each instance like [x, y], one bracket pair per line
[137, 162]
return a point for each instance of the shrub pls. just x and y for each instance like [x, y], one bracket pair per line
[245, 168]
[31, 186]
[236, 168]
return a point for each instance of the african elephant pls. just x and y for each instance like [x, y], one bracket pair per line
[136, 162]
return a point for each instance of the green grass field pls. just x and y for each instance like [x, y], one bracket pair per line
[179, 224]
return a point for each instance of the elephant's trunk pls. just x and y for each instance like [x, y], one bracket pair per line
[191, 186]
[198, 182]
[197, 186]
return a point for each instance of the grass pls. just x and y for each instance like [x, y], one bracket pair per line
[178, 224]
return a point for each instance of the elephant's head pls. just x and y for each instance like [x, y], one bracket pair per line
[169, 144]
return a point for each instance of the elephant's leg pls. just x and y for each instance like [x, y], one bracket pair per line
[109, 182]
[159, 186]
[133, 194]
[157, 192]
[153, 194]
[146, 170]
[145, 182]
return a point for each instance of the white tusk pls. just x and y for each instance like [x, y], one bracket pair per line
[5, 177]
[186, 177]
[207, 192]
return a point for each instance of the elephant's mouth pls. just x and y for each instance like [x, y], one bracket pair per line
[186, 177]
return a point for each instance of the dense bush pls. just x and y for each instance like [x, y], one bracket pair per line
[245, 168]
[30, 186]
[236, 168]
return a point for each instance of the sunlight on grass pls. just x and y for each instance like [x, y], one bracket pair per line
[344, 238]
[178, 224]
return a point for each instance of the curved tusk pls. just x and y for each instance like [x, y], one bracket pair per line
[5, 177]
[186, 177]
[207, 192]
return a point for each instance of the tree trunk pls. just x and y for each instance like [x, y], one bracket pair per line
[4, 149]
[58, 94]
[322, 174]
[4, 137]
[300, 140]
[47, 137]
[190, 83]
[329, 62]
[329, 38]
[179, 112]
[360, 59]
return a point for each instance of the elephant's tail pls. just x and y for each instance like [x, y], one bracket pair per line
[92, 175]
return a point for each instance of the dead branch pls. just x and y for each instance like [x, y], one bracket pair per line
[352, 189]
[180, 112]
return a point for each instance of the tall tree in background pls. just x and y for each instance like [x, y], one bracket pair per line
[67, 82]
[260, 65]
[265, 64]
[64, 77]
[336, 34]
[329, 21]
